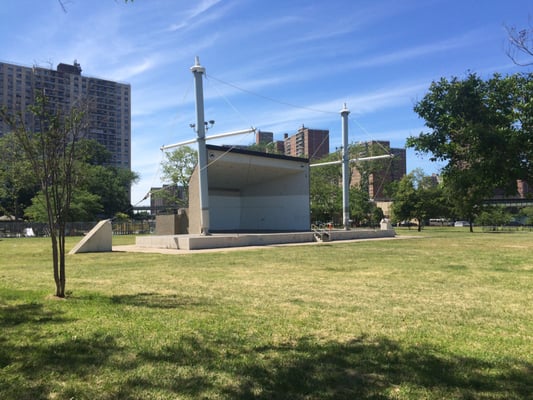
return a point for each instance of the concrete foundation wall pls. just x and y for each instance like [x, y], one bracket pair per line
[198, 242]
[194, 203]
[172, 224]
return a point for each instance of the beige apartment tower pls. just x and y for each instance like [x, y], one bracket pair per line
[109, 102]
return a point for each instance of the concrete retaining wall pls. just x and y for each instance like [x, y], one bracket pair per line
[197, 242]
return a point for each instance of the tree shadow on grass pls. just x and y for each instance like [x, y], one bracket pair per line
[158, 300]
[12, 315]
[59, 367]
[375, 369]
[359, 369]
[225, 366]
[33, 359]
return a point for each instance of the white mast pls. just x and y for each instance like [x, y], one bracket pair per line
[201, 127]
[198, 72]
[345, 170]
[346, 167]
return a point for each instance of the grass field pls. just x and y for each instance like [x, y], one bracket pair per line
[444, 314]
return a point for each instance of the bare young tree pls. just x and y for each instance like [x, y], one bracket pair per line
[50, 148]
[520, 44]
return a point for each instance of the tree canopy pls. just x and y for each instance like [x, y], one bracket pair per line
[17, 182]
[418, 197]
[100, 191]
[326, 191]
[483, 129]
[177, 168]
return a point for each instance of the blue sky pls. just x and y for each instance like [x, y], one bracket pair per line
[274, 65]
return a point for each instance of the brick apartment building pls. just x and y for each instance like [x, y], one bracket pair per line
[385, 171]
[309, 143]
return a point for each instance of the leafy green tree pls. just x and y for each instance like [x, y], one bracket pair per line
[17, 182]
[377, 215]
[482, 129]
[270, 148]
[466, 194]
[121, 217]
[404, 199]
[51, 149]
[417, 197]
[110, 183]
[101, 191]
[83, 207]
[177, 169]
[527, 212]
[326, 191]
[493, 217]
[363, 211]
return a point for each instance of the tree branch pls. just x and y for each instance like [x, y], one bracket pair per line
[520, 43]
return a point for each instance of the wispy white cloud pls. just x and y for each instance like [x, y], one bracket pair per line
[418, 51]
[199, 9]
[127, 72]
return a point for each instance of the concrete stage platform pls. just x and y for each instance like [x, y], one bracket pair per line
[227, 240]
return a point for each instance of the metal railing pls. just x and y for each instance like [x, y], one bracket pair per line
[13, 229]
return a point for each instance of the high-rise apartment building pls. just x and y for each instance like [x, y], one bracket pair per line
[309, 143]
[383, 172]
[267, 142]
[262, 137]
[109, 119]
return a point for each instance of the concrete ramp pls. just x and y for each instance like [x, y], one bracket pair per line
[99, 239]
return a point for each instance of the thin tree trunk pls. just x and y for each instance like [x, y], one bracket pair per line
[62, 271]
[55, 261]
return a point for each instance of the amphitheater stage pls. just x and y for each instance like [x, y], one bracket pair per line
[228, 240]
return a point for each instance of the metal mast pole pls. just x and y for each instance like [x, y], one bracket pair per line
[198, 72]
[345, 169]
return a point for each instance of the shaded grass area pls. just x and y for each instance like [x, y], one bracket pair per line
[446, 314]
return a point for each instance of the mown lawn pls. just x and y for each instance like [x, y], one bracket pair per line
[444, 314]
